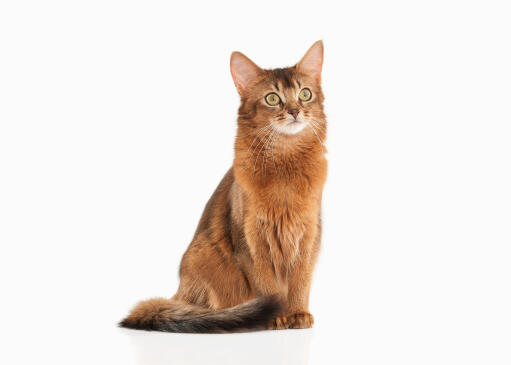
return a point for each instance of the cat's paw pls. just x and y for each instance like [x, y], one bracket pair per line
[278, 323]
[300, 320]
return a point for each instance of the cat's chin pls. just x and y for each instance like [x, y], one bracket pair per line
[293, 127]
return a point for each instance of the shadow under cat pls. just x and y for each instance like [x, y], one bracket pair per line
[268, 347]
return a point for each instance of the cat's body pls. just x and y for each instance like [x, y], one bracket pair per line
[250, 262]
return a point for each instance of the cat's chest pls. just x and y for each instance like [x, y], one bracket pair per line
[289, 208]
[286, 226]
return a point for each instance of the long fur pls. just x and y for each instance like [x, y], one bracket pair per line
[171, 316]
[250, 262]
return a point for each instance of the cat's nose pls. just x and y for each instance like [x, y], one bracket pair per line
[293, 112]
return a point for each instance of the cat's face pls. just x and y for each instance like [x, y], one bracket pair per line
[286, 100]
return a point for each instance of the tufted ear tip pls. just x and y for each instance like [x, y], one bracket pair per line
[243, 71]
[312, 62]
[235, 55]
[319, 44]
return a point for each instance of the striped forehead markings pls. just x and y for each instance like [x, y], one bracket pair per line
[283, 75]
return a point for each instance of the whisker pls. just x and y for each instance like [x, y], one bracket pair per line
[265, 151]
[261, 139]
[320, 140]
[258, 133]
[272, 156]
[317, 129]
[260, 150]
[320, 127]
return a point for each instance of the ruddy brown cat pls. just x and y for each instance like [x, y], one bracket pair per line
[250, 263]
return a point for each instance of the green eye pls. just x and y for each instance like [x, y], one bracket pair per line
[272, 99]
[305, 95]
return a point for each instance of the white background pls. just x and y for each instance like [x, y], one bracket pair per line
[117, 121]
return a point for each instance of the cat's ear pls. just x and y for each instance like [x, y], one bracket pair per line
[243, 72]
[312, 62]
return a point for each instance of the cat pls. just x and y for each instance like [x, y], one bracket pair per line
[250, 263]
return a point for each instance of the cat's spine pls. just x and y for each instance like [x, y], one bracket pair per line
[171, 316]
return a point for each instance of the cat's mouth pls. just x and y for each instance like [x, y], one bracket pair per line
[292, 126]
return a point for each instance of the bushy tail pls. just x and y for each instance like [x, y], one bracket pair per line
[171, 316]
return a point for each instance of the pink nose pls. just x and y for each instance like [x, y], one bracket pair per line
[293, 112]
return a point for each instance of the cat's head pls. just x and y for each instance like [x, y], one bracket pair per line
[287, 101]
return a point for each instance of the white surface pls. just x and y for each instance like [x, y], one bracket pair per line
[117, 122]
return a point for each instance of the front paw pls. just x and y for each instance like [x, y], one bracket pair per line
[300, 320]
[278, 323]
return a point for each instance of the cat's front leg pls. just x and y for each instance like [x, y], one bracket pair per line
[300, 277]
[298, 315]
[262, 275]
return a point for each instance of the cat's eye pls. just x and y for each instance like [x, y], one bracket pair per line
[272, 99]
[305, 95]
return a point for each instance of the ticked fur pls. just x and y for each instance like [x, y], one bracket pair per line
[250, 263]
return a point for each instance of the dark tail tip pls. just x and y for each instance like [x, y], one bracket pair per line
[252, 315]
[138, 324]
[124, 323]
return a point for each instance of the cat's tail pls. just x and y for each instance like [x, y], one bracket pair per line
[168, 315]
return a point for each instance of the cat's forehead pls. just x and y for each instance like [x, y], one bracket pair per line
[282, 79]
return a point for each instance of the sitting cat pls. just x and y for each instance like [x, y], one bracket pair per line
[250, 263]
